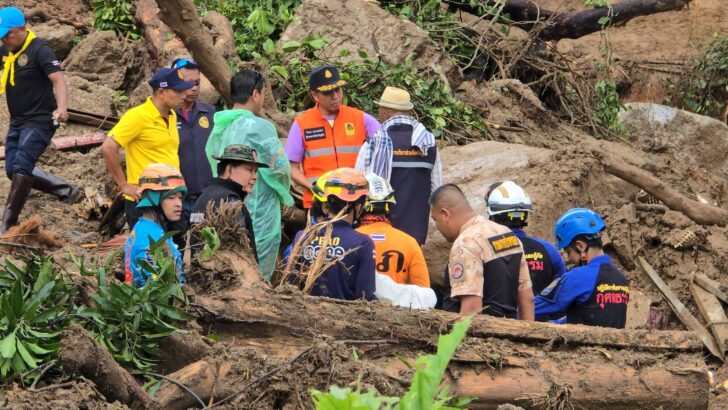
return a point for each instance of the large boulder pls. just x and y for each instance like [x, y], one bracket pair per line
[685, 136]
[88, 96]
[359, 25]
[118, 63]
[61, 37]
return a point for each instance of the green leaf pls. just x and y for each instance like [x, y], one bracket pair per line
[363, 54]
[269, 46]
[7, 346]
[42, 335]
[317, 44]
[16, 299]
[27, 357]
[281, 71]
[291, 46]
[37, 349]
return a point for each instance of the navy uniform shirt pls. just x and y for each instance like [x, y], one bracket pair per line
[596, 294]
[193, 134]
[351, 277]
[31, 101]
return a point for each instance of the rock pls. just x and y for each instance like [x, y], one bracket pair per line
[359, 25]
[684, 135]
[59, 36]
[118, 63]
[89, 96]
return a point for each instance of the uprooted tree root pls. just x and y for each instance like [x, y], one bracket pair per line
[29, 235]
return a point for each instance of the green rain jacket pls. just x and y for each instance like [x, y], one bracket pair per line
[273, 184]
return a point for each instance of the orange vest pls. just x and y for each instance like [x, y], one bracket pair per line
[327, 148]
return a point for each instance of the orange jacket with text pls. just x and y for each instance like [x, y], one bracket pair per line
[326, 147]
[399, 256]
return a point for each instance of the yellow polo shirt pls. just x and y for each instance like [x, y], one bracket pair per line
[147, 139]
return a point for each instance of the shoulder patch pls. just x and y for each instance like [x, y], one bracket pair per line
[457, 271]
[504, 242]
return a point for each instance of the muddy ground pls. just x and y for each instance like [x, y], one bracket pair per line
[551, 161]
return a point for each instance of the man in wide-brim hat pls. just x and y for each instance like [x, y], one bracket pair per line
[327, 136]
[404, 153]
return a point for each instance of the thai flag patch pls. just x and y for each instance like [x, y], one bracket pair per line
[379, 237]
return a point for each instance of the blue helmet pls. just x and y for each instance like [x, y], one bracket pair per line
[575, 222]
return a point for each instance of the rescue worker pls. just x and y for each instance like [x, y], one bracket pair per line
[508, 204]
[352, 276]
[487, 270]
[37, 95]
[161, 192]
[237, 171]
[404, 153]
[595, 292]
[398, 255]
[327, 136]
[243, 124]
[148, 134]
[194, 124]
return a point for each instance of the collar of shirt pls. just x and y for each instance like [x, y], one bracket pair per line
[151, 109]
[600, 260]
[471, 222]
[231, 185]
[197, 108]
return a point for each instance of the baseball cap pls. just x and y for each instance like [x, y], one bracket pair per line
[169, 78]
[10, 17]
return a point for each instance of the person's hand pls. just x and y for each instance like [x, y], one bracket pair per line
[60, 115]
[130, 190]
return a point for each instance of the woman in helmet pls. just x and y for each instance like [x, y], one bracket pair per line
[342, 192]
[508, 204]
[399, 256]
[595, 292]
[162, 189]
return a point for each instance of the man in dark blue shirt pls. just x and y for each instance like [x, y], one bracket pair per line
[350, 274]
[508, 204]
[194, 124]
[594, 293]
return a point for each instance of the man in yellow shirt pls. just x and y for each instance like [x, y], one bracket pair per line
[148, 134]
[398, 255]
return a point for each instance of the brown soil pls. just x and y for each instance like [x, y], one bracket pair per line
[71, 396]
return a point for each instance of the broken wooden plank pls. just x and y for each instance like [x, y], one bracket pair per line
[105, 122]
[712, 311]
[78, 141]
[682, 312]
[711, 286]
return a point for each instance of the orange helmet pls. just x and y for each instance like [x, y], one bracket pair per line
[160, 178]
[346, 184]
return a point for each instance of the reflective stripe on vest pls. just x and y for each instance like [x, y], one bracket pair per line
[348, 149]
[400, 164]
[318, 152]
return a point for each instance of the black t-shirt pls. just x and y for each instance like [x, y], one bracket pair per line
[31, 101]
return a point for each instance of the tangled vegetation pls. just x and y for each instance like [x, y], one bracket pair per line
[704, 87]
[38, 302]
[116, 15]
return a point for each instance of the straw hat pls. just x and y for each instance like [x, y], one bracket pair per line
[396, 99]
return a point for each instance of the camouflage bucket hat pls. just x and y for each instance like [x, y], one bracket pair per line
[240, 153]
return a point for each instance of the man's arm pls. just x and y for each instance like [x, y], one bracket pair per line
[298, 177]
[525, 305]
[110, 149]
[60, 89]
[470, 304]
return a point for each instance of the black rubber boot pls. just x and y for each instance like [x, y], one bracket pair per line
[50, 184]
[19, 190]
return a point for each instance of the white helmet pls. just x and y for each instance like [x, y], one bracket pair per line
[379, 190]
[507, 196]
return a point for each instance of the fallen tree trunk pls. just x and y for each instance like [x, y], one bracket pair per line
[81, 354]
[593, 362]
[704, 214]
[181, 17]
[526, 14]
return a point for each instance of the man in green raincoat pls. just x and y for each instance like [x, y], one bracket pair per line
[243, 125]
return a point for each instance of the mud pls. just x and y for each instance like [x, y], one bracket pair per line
[80, 395]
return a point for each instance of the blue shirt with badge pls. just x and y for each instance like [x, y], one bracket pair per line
[194, 128]
[138, 248]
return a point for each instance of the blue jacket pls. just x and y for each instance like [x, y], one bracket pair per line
[595, 294]
[352, 276]
[137, 248]
[556, 267]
